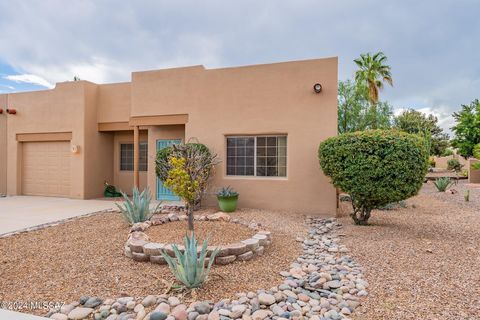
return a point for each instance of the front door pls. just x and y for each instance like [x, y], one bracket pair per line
[163, 193]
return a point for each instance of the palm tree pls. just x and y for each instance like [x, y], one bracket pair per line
[373, 72]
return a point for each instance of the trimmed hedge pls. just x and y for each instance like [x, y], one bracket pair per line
[375, 167]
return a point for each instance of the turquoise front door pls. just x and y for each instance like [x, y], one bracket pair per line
[163, 193]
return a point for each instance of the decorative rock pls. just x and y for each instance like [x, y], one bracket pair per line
[136, 240]
[224, 251]
[141, 257]
[158, 315]
[173, 301]
[131, 305]
[214, 315]
[261, 314]
[153, 248]
[225, 260]
[251, 244]
[158, 259]
[172, 217]
[59, 316]
[245, 256]
[79, 313]
[149, 301]
[259, 251]
[237, 311]
[262, 239]
[266, 233]
[163, 307]
[266, 299]
[237, 249]
[219, 216]
[93, 302]
[202, 308]
[66, 308]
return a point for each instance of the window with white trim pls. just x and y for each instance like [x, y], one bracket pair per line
[260, 156]
[126, 156]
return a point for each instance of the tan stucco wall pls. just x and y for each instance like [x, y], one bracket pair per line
[98, 149]
[113, 102]
[262, 99]
[3, 145]
[57, 110]
[123, 180]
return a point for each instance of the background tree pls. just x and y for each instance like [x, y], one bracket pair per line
[416, 122]
[355, 112]
[467, 128]
[373, 72]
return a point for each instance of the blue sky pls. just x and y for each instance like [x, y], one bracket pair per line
[432, 46]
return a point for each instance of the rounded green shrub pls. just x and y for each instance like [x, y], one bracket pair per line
[375, 167]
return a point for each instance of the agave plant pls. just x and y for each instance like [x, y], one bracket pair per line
[442, 183]
[189, 267]
[138, 208]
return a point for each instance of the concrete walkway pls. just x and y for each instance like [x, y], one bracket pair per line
[11, 315]
[22, 212]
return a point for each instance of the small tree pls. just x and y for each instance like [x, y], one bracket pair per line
[376, 167]
[467, 128]
[186, 170]
[416, 122]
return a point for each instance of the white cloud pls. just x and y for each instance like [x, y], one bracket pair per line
[433, 49]
[29, 78]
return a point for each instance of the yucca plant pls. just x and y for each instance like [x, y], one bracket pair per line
[189, 267]
[442, 183]
[138, 208]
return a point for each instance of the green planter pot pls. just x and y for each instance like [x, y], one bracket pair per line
[227, 204]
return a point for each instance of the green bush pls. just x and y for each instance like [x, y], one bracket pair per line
[476, 151]
[431, 162]
[447, 152]
[138, 208]
[443, 183]
[454, 164]
[375, 167]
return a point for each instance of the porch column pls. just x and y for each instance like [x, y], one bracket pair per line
[135, 156]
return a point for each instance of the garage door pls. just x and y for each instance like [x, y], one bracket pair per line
[46, 168]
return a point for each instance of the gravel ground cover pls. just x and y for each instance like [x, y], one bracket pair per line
[217, 232]
[423, 261]
[85, 257]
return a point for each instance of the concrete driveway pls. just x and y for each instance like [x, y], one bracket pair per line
[23, 212]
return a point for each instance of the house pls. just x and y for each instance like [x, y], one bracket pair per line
[265, 122]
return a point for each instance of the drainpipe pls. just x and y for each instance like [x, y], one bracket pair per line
[135, 156]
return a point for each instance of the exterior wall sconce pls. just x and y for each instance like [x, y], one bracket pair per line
[317, 87]
[74, 149]
[11, 111]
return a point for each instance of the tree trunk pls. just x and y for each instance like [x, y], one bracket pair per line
[190, 218]
[360, 215]
[374, 115]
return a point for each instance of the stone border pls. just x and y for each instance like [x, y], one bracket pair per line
[139, 247]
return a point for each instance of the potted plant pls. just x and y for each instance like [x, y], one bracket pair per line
[227, 199]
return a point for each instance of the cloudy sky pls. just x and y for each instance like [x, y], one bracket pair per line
[432, 46]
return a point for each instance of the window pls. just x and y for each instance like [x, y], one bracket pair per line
[262, 156]
[126, 156]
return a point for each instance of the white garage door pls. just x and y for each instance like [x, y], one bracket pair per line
[46, 168]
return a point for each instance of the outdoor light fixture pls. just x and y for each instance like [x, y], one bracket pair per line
[11, 111]
[317, 87]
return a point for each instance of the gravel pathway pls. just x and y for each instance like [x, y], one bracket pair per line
[423, 261]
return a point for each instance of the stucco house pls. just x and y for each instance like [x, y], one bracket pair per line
[265, 122]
